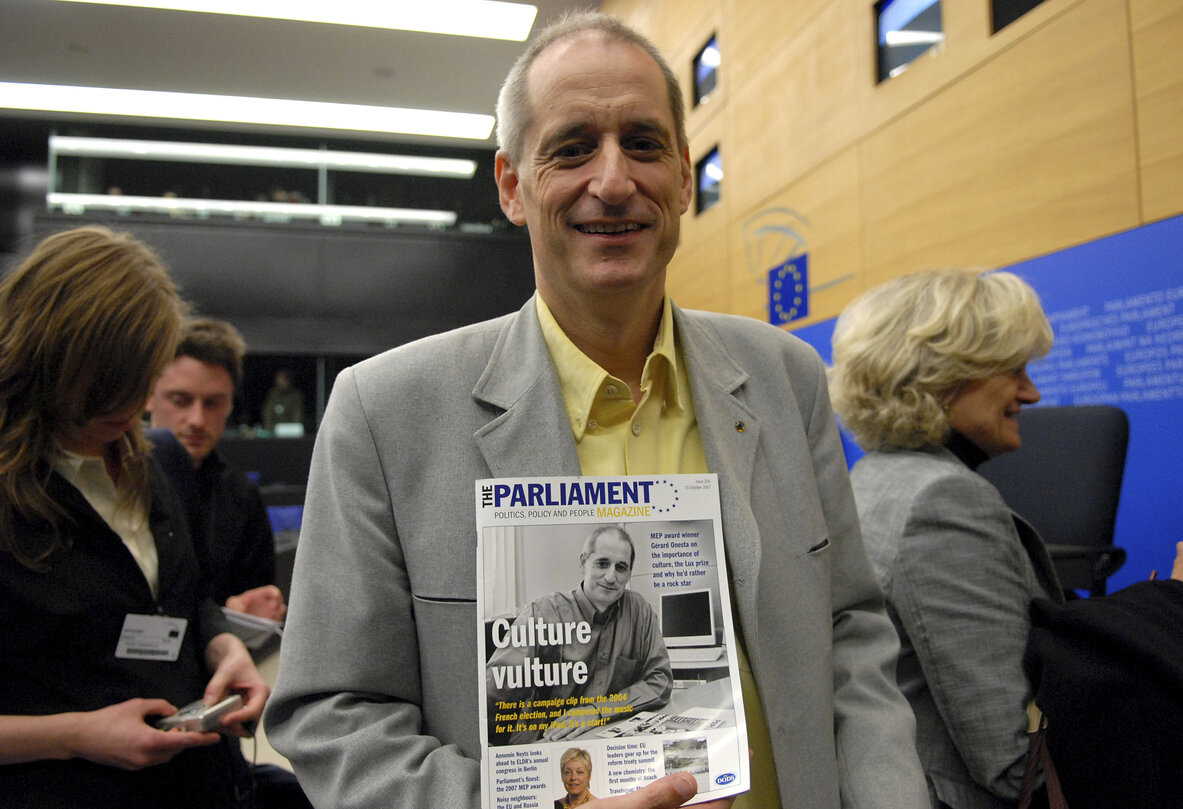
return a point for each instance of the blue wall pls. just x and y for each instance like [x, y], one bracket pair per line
[1116, 306]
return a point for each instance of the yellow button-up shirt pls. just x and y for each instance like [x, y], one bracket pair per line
[614, 436]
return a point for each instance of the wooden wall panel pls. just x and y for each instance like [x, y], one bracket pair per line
[995, 148]
[637, 13]
[968, 44]
[1158, 75]
[1033, 152]
[802, 107]
[679, 27]
[697, 275]
[701, 262]
[709, 223]
[823, 208]
[761, 29]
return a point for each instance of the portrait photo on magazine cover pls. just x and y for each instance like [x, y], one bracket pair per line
[603, 630]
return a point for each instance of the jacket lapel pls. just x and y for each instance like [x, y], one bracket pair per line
[532, 435]
[169, 548]
[730, 438]
[1041, 560]
[100, 537]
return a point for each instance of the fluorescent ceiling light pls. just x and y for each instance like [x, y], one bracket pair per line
[242, 109]
[470, 18]
[897, 14]
[905, 37]
[710, 56]
[262, 156]
[327, 214]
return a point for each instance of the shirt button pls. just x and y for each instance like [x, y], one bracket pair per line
[610, 390]
[591, 424]
[636, 428]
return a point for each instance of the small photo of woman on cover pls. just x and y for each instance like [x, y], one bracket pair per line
[575, 766]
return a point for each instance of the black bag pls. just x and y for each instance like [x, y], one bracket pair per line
[1108, 674]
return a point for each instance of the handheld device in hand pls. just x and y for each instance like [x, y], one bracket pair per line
[197, 716]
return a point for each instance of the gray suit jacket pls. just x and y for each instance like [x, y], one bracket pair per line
[959, 569]
[376, 702]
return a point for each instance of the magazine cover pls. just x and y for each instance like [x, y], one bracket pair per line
[605, 627]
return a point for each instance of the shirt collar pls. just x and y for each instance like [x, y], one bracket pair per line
[589, 611]
[81, 470]
[580, 378]
[69, 464]
[665, 347]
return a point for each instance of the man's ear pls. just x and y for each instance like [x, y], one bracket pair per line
[687, 193]
[509, 188]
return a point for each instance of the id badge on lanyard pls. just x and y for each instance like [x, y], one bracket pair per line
[151, 637]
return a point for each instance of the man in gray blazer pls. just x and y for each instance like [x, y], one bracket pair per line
[377, 698]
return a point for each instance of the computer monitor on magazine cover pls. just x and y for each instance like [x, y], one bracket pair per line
[688, 618]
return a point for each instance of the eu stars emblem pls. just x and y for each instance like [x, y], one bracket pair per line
[664, 496]
[788, 291]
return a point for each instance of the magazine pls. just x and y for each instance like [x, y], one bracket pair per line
[253, 630]
[607, 640]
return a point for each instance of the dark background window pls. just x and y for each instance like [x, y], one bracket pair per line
[706, 71]
[1004, 12]
[905, 30]
[708, 173]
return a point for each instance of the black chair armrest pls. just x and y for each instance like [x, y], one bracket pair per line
[1110, 556]
[1105, 560]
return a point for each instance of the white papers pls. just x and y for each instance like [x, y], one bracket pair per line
[253, 630]
[574, 658]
